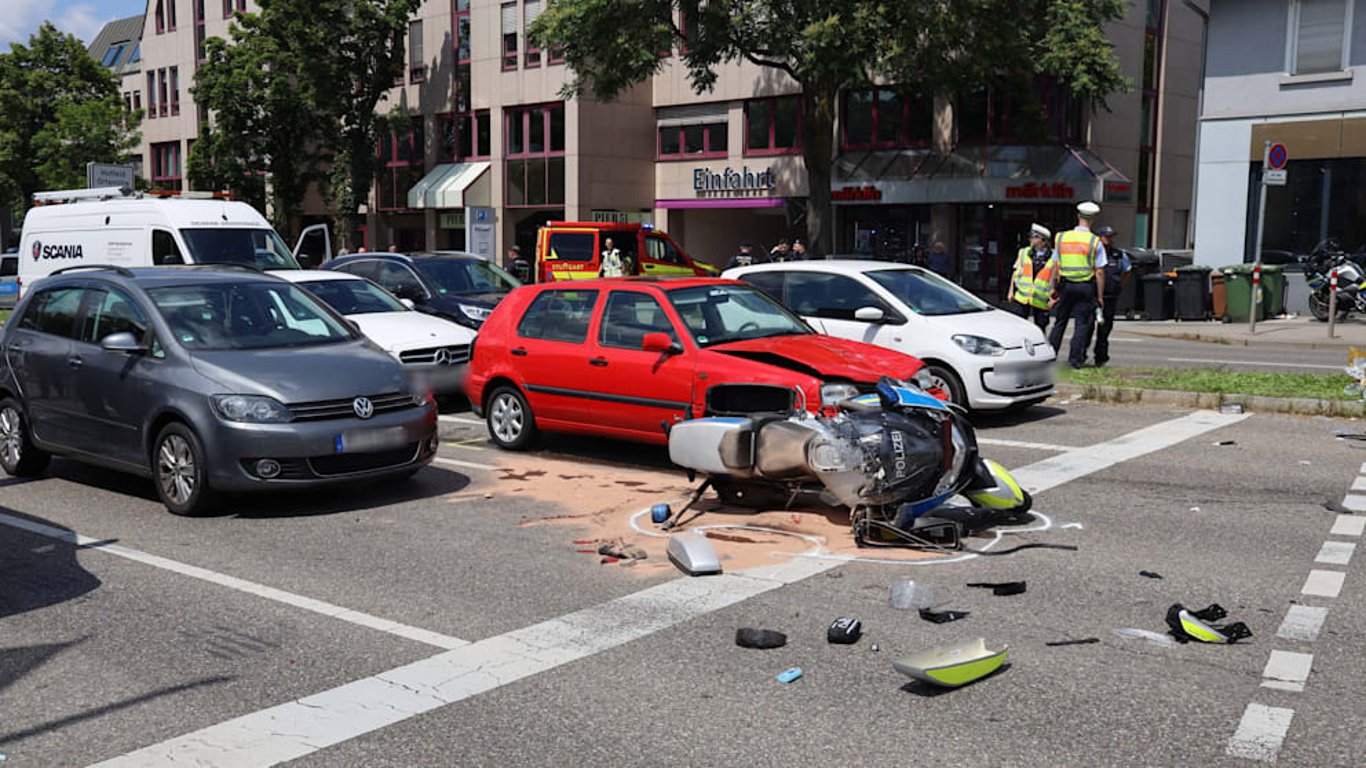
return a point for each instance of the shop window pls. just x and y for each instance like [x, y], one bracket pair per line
[531, 11]
[166, 165]
[417, 68]
[535, 155]
[509, 39]
[773, 126]
[1321, 28]
[690, 142]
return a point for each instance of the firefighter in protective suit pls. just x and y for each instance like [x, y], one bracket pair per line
[1078, 283]
[1031, 284]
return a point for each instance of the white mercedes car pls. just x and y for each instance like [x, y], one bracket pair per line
[985, 358]
[435, 351]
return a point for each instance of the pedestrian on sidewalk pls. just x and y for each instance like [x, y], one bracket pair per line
[1117, 268]
[744, 257]
[1078, 284]
[611, 265]
[1031, 284]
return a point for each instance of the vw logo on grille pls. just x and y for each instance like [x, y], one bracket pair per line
[442, 357]
[363, 407]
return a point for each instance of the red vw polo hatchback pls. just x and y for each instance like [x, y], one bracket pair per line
[627, 358]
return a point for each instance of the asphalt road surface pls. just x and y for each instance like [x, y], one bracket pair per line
[441, 621]
[1133, 350]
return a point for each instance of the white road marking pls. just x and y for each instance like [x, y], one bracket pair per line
[1287, 670]
[1348, 525]
[301, 727]
[458, 464]
[1260, 732]
[1363, 468]
[1359, 484]
[1323, 583]
[1079, 462]
[1354, 503]
[1335, 553]
[241, 585]
[1251, 362]
[1020, 444]
[447, 418]
[1303, 623]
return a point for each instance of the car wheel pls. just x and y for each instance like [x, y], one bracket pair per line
[178, 468]
[944, 378]
[18, 456]
[510, 422]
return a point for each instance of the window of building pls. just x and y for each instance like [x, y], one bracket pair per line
[690, 142]
[773, 126]
[199, 36]
[136, 56]
[535, 155]
[163, 93]
[111, 56]
[161, 16]
[170, 15]
[1319, 39]
[532, 11]
[417, 67]
[137, 100]
[151, 94]
[127, 101]
[175, 90]
[166, 165]
[463, 137]
[509, 27]
[400, 165]
[462, 31]
[229, 5]
[886, 117]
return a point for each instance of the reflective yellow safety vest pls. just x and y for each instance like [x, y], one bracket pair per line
[1031, 289]
[1076, 255]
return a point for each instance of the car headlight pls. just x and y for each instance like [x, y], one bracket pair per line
[250, 409]
[978, 345]
[836, 393]
[477, 314]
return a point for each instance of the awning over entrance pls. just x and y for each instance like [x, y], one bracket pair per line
[445, 185]
[973, 174]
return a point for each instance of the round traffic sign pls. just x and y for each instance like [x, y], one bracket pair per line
[1277, 157]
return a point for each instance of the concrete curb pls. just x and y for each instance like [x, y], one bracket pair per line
[1136, 396]
[1214, 338]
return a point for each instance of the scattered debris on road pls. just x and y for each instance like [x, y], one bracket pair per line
[762, 639]
[1001, 588]
[951, 666]
[1156, 638]
[942, 617]
[1150, 574]
[844, 631]
[1187, 625]
[907, 594]
[1083, 641]
[790, 675]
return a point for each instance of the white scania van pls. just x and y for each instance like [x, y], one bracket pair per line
[129, 229]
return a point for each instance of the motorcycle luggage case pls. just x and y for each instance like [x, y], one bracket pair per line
[721, 445]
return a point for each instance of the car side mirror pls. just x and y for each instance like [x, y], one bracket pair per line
[660, 342]
[121, 342]
[353, 325]
[869, 314]
[408, 303]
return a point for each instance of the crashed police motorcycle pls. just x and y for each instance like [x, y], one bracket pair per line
[1318, 269]
[894, 457]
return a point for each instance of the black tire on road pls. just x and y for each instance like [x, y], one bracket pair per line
[18, 456]
[180, 472]
[511, 424]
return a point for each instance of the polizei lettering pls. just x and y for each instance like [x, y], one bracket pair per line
[41, 251]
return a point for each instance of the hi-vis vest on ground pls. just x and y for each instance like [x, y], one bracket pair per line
[1076, 255]
[1031, 289]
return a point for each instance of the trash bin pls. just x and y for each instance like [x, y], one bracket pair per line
[1174, 260]
[1157, 296]
[1192, 293]
[1141, 262]
[1238, 292]
[1218, 298]
[1273, 289]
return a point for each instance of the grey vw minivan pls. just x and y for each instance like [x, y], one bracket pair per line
[209, 381]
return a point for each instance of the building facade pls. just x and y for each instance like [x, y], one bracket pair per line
[493, 150]
[1282, 71]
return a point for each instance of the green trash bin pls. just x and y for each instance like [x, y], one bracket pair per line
[1238, 292]
[1273, 289]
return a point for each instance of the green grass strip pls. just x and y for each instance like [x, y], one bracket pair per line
[1216, 380]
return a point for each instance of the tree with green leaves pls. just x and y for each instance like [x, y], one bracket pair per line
[292, 101]
[823, 48]
[59, 109]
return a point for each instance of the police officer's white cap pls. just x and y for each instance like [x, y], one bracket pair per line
[1088, 209]
[1041, 231]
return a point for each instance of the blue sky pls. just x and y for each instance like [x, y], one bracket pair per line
[82, 18]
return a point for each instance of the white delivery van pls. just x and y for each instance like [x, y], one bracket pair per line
[131, 229]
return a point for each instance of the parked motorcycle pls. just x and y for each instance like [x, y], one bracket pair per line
[894, 458]
[1318, 268]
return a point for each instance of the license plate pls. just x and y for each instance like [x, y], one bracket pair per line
[367, 440]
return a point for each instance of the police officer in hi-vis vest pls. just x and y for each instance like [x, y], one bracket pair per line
[1031, 285]
[1078, 283]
